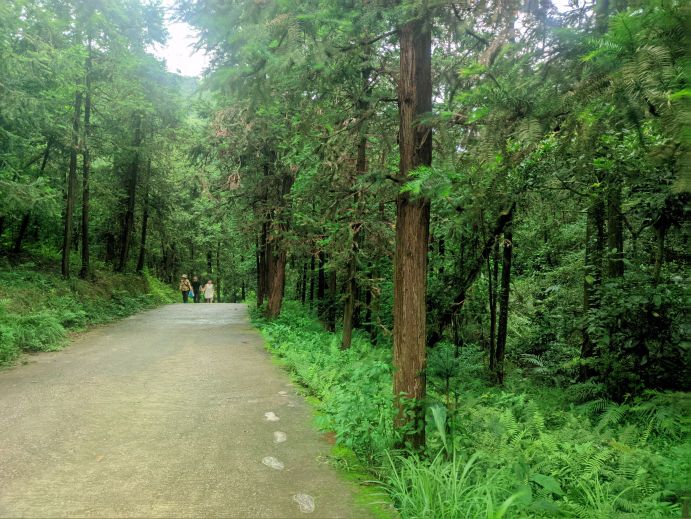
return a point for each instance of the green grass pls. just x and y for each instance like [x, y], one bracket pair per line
[524, 450]
[38, 308]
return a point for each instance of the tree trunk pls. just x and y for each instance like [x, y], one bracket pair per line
[504, 301]
[412, 230]
[312, 280]
[331, 303]
[321, 285]
[132, 173]
[71, 188]
[303, 292]
[349, 306]
[86, 169]
[360, 170]
[594, 252]
[615, 232]
[23, 226]
[493, 275]
[277, 272]
[145, 220]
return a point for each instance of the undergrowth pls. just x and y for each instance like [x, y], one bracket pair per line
[38, 308]
[525, 450]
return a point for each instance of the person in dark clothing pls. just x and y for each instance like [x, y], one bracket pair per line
[195, 288]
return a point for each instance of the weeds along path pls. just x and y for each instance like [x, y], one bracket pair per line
[175, 412]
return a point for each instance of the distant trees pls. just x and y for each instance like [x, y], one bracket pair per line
[556, 171]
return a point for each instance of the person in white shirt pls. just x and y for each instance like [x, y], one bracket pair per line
[208, 291]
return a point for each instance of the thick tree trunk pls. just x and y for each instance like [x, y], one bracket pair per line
[71, 188]
[86, 169]
[504, 301]
[412, 230]
[132, 174]
[594, 252]
[145, 220]
[277, 272]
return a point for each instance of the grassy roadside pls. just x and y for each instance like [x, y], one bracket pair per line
[524, 450]
[39, 308]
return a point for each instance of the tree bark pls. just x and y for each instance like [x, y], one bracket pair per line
[132, 174]
[71, 188]
[145, 220]
[276, 253]
[504, 301]
[277, 270]
[86, 169]
[412, 230]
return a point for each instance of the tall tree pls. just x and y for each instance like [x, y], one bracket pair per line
[412, 224]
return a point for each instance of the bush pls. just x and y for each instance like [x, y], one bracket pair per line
[523, 451]
[38, 317]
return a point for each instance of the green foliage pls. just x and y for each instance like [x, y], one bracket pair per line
[522, 451]
[355, 403]
[38, 308]
[638, 329]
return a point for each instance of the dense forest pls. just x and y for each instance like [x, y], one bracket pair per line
[462, 224]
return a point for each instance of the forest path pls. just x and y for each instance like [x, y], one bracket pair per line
[169, 413]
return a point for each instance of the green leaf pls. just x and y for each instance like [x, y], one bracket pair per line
[548, 483]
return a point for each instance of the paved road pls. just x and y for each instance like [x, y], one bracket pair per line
[169, 413]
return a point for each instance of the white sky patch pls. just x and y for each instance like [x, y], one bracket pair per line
[178, 52]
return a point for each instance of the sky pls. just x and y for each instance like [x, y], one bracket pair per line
[178, 51]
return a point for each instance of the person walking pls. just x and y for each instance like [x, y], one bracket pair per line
[208, 291]
[195, 288]
[185, 287]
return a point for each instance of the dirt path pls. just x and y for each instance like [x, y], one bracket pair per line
[175, 412]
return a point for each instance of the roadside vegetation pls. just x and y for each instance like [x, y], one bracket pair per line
[527, 449]
[39, 308]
